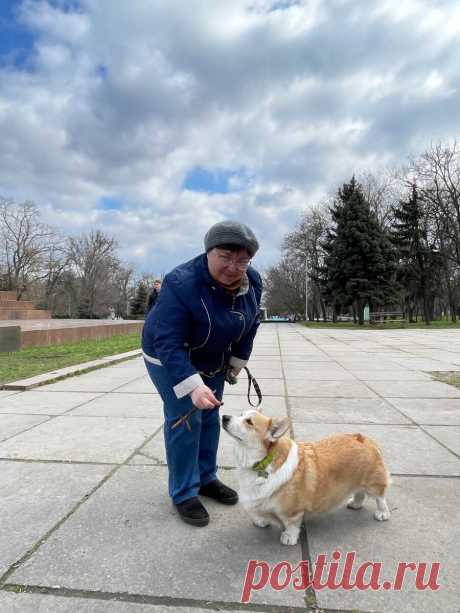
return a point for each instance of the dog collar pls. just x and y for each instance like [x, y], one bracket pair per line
[260, 467]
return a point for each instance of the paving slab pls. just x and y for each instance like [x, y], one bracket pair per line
[235, 405]
[372, 364]
[12, 425]
[6, 393]
[263, 351]
[448, 435]
[81, 439]
[34, 497]
[263, 359]
[406, 449]
[88, 382]
[51, 603]
[268, 387]
[390, 375]
[327, 372]
[414, 389]
[427, 364]
[417, 532]
[143, 385]
[296, 357]
[438, 411]
[125, 538]
[261, 370]
[344, 410]
[122, 405]
[43, 402]
[329, 389]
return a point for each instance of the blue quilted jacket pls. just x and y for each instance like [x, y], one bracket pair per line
[196, 328]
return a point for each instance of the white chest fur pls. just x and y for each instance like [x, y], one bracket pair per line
[255, 491]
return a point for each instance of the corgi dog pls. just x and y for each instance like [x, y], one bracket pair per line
[280, 479]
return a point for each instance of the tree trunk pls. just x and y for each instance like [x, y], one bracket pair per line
[355, 319]
[323, 309]
[360, 306]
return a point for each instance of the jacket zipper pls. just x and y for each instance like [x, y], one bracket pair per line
[241, 316]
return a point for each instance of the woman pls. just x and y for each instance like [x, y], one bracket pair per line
[204, 322]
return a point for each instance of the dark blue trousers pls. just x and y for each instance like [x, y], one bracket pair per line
[191, 455]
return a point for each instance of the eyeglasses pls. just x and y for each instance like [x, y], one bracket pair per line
[227, 260]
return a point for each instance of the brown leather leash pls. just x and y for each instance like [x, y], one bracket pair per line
[230, 378]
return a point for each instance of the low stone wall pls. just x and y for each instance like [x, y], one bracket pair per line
[57, 336]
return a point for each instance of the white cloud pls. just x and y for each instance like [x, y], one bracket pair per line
[124, 100]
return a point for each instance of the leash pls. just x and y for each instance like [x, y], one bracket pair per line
[232, 380]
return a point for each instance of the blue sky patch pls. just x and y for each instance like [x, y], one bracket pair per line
[102, 71]
[110, 203]
[215, 181]
[16, 41]
[283, 5]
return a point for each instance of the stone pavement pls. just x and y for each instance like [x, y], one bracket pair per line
[86, 524]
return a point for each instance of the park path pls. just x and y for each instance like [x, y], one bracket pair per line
[86, 524]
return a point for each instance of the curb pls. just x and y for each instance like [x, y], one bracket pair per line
[70, 371]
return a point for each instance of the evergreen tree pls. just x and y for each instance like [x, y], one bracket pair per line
[416, 261]
[139, 303]
[360, 263]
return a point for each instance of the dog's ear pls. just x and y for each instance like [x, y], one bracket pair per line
[278, 427]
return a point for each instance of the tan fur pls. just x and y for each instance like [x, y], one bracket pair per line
[328, 471]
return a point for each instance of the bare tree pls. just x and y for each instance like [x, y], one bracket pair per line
[304, 247]
[54, 263]
[95, 264]
[25, 243]
[123, 290]
[382, 191]
[284, 287]
[437, 172]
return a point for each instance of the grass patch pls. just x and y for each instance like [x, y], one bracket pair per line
[37, 360]
[452, 378]
[435, 325]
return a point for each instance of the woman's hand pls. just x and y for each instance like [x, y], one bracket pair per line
[235, 371]
[203, 398]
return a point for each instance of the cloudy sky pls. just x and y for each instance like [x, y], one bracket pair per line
[154, 119]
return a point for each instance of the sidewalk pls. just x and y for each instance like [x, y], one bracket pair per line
[87, 526]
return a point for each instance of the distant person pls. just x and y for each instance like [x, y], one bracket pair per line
[204, 323]
[153, 295]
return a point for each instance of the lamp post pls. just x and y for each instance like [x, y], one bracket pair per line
[306, 288]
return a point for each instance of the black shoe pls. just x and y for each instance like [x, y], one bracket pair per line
[193, 512]
[220, 492]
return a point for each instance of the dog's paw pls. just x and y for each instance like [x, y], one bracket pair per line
[356, 506]
[261, 523]
[382, 515]
[287, 538]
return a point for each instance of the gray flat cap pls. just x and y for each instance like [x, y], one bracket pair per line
[231, 233]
